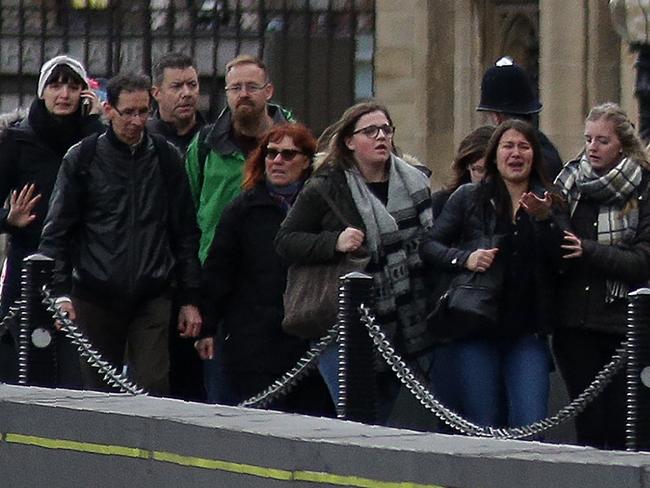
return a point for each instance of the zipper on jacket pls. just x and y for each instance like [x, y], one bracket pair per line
[132, 225]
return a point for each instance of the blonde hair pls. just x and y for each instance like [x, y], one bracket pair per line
[631, 144]
[248, 59]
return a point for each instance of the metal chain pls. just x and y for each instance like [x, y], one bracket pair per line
[11, 315]
[455, 421]
[86, 349]
[283, 385]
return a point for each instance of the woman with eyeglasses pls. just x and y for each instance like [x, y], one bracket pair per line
[243, 279]
[387, 205]
[468, 165]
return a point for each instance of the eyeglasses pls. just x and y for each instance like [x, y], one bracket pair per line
[248, 87]
[131, 113]
[475, 168]
[372, 131]
[285, 154]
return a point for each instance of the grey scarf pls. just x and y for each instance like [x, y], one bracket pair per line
[393, 234]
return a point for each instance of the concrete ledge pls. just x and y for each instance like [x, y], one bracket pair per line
[62, 438]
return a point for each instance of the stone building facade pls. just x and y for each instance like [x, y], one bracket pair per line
[431, 54]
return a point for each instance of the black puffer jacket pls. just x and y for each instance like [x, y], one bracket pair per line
[242, 286]
[583, 285]
[125, 226]
[465, 225]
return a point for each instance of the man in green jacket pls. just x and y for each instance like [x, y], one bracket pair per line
[215, 158]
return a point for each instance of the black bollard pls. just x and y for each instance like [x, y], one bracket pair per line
[637, 428]
[37, 364]
[356, 375]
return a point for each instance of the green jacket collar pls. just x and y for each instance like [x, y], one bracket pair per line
[219, 138]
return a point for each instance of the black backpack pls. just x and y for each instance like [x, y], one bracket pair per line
[167, 156]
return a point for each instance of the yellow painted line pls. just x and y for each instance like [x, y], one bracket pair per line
[104, 449]
[355, 481]
[212, 464]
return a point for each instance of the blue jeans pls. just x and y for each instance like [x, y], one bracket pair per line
[328, 367]
[495, 382]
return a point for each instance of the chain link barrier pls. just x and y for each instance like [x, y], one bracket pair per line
[111, 375]
[11, 315]
[455, 421]
[283, 385]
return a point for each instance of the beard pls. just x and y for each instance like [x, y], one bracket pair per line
[247, 114]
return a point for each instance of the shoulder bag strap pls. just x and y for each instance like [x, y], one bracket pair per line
[333, 206]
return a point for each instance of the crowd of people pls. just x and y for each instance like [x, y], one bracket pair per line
[172, 238]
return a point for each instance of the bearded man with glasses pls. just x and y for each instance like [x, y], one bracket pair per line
[122, 230]
[215, 158]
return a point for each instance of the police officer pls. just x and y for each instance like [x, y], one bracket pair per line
[506, 93]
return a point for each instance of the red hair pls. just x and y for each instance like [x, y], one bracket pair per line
[302, 137]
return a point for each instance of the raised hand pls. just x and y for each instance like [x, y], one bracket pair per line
[21, 205]
[540, 208]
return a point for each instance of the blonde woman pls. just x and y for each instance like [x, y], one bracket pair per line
[608, 255]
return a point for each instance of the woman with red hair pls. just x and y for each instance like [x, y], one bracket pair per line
[243, 277]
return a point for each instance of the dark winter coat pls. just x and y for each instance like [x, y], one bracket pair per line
[126, 228]
[583, 284]
[466, 224]
[155, 125]
[550, 156]
[310, 232]
[28, 155]
[242, 285]
[438, 201]
[311, 229]
[31, 149]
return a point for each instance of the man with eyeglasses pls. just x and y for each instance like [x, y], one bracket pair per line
[122, 228]
[176, 91]
[215, 158]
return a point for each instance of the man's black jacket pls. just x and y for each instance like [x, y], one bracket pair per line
[122, 228]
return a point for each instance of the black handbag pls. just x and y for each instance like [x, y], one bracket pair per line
[311, 295]
[468, 304]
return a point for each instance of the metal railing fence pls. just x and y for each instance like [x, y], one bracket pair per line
[319, 51]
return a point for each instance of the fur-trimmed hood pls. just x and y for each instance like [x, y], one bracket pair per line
[9, 119]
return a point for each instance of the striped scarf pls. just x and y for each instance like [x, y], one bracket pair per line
[393, 234]
[612, 191]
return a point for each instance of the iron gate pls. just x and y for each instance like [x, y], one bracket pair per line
[319, 51]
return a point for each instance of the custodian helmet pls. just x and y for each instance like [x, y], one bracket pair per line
[506, 88]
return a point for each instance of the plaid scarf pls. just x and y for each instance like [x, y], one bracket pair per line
[393, 234]
[612, 191]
